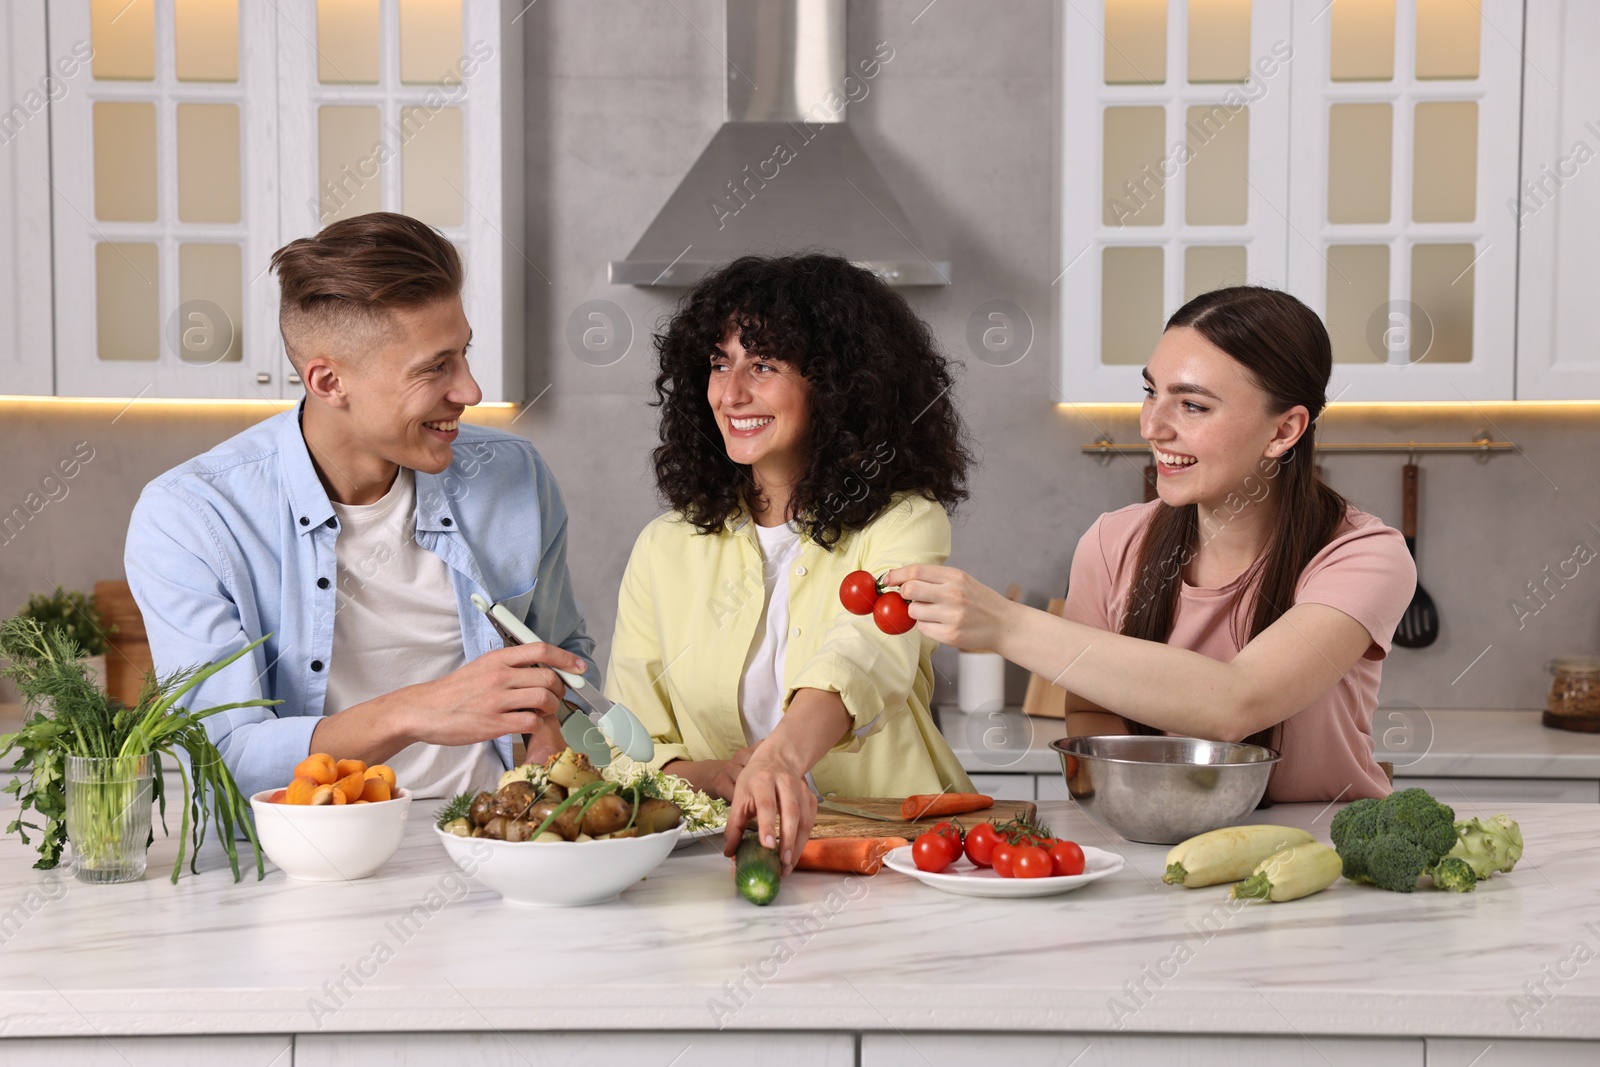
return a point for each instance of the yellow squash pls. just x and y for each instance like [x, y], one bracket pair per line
[1227, 855]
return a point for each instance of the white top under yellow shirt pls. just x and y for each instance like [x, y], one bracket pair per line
[689, 611]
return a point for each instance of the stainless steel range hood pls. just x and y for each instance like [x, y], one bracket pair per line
[784, 173]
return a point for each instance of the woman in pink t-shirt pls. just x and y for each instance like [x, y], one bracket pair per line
[1251, 601]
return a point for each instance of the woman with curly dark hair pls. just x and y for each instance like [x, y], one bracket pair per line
[807, 431]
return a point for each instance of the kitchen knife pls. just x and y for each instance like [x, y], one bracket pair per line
[618, 725]
[860, 813]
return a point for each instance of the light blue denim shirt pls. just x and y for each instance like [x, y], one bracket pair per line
[239, 542]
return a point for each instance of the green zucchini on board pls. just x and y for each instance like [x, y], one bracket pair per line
[756, 871]
[1228, 854]
[1291, 874]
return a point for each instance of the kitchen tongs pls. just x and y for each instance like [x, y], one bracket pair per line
[615, 723]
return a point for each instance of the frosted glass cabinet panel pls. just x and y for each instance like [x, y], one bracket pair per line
[202, 135]
[1174, 173]
[1357, 153]
[165, 189]
[1401, 177]
[417, 111]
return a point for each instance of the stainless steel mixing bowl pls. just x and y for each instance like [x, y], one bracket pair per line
[1162, 790]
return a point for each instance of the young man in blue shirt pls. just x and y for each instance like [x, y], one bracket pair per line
[354, 530]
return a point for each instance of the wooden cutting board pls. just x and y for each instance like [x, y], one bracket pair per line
[838, 824]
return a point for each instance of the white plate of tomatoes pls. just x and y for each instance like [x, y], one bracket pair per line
[1032, 868]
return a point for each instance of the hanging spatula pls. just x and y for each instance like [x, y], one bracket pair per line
[1419, 626]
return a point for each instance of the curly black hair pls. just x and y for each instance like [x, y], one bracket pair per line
[882, 419]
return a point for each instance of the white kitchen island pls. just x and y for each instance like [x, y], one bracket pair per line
[419, 965]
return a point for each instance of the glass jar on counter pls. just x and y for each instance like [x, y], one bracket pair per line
[1575, 690]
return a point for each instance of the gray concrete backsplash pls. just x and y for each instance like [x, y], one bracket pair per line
[622, 96]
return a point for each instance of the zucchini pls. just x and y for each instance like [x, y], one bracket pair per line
[756, 871]
[1291, 874]
[1227, 855]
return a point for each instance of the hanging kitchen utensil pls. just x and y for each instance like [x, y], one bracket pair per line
[1419, 626]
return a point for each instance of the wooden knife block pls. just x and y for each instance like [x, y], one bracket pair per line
[128, 648]
[1043, 699]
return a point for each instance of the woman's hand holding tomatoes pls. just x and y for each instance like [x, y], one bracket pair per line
[952, 607]
[862, 594]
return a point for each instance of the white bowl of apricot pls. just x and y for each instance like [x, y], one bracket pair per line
[337, 820]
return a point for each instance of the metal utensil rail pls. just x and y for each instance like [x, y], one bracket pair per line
[1480, 447]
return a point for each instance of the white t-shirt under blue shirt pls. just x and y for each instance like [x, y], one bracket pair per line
[395, 624]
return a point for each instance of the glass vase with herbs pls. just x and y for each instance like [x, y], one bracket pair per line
[90, 766]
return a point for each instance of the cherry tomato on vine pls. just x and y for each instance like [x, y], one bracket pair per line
[893, 614]
[981, 840]
[1066, 858]
[933, 852]
[1031, 862]
[1001, 859]
[858, 592]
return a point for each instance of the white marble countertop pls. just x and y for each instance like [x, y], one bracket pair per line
[680, 951]
[1435, 743]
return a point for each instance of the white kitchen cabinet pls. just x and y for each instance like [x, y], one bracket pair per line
[1135, 1050]
[192, 1050]
[1004, 786]
[29, 75]
[1359, 156]
[1461, 792]
[1558, 205]
[520, 1049]
[204, 136]
[1499, 1052]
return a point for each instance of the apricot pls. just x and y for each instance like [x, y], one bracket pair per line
[300, 791]
[375, 790]
[277, 797]
[319, 767]
[346, 767]
[380, 770]
[350, 785]
[327, 794]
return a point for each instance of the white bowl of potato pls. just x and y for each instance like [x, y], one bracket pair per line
[559, 873]
[559, 835]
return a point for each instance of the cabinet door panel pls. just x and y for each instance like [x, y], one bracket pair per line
[1456, 791]
[1004, 786]
[275, 1050]
[1557, 208]
[521, 1048]
[1135, 1050]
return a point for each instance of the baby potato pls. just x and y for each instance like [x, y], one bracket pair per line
[479, 812]
[567, 824]
[657, 815]
[571, 770]
[513, 800]
[607, 814]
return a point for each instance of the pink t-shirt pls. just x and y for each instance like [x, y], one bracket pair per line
[1365, 572]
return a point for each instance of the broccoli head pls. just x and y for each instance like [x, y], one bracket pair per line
[1488, 845]
[1454, 873]
[1392, 842]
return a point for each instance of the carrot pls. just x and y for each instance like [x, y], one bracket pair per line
[847, 855]
[929, 805]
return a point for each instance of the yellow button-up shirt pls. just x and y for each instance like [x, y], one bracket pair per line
[687, 617]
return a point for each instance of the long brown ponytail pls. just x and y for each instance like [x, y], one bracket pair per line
[1285, 347]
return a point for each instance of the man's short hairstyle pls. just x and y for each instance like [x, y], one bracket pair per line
[338, 288]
